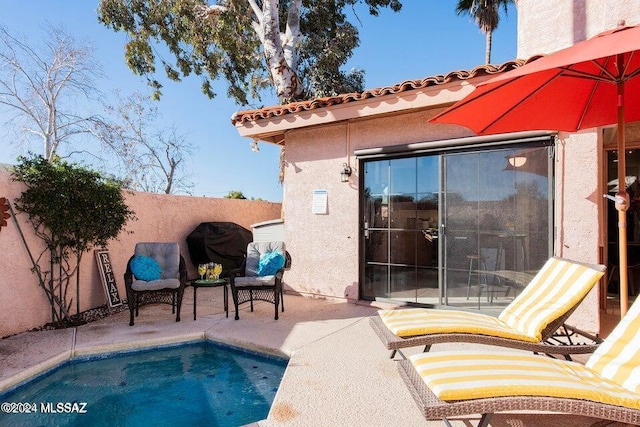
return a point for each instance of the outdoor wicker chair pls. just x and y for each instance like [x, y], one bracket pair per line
[454, 383]
[156, 273]
[534, 321]
[260, 276]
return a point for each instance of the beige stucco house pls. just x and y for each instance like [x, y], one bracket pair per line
[431, 213]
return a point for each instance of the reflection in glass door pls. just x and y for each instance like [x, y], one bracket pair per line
[465, 228]
[496, 217]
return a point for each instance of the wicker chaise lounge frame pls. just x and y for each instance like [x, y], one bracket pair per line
[433, 408]
[550, 343]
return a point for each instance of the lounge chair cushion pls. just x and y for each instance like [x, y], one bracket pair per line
[145, 268]
[463, 375]
[617, 358]
[410, 322]
[557, 288]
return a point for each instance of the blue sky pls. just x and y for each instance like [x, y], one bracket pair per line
[426, 38]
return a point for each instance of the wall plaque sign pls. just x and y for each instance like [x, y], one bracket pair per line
[108, 279]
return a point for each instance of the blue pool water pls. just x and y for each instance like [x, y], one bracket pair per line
[201, 384]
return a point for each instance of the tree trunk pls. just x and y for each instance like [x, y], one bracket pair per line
[52, 291]
[292, 36]
[487, 56]
[78, 260]
[285, 80]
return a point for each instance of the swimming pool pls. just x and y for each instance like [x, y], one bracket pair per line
[196, 384]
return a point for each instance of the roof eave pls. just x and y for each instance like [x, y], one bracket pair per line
[271, 129]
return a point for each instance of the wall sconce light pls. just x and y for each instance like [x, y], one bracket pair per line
[517, 161]
[254, 146]
[345, 173]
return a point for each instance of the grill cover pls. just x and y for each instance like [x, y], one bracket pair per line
[220, 242]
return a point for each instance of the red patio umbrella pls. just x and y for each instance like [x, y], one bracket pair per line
[579, 87]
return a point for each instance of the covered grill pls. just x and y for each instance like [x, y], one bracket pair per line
[220, 242]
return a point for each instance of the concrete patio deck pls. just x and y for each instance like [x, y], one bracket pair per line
[339, 373]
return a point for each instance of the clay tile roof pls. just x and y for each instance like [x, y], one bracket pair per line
[407, 85]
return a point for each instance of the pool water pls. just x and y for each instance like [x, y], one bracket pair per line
[202, 384]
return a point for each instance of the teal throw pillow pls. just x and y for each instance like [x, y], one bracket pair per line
[270, 263]
[145, 268]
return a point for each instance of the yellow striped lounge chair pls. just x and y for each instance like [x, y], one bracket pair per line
[455, 383]
[530, 322]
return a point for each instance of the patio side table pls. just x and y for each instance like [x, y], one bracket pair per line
[210, 284]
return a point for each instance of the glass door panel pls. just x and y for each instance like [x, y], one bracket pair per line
[400, 228]
[496, 218]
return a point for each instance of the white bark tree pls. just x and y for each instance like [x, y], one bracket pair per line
[44, 87]
[50, 91]
[152, 158]
[280, 48]
[244, 42]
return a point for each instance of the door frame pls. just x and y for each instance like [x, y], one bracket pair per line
[439, 148]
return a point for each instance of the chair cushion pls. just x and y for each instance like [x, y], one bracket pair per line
[255, 250]
[463, 375]
[166, 254]
[253, 281]
[270, 263]
[155, 285]
[145, 268]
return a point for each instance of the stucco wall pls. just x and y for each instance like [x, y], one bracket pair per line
[323, 247]
[577, 198]
[160, 218]
[545, 26]
[577, 226]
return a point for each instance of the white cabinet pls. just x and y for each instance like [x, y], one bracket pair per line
[268, 231]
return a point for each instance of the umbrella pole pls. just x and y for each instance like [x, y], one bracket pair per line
[622, 204]
[622, 272]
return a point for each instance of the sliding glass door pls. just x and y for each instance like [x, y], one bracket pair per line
[463, 228]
